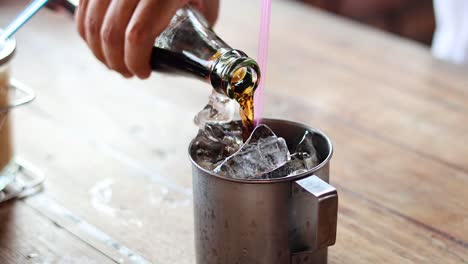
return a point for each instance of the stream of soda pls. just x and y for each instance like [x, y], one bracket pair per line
[263, 44]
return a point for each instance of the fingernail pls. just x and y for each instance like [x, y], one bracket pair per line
[145, 75]
[127, 75]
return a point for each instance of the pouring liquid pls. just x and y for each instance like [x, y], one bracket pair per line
[243, 86]
[189, 46]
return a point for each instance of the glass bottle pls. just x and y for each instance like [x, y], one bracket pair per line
[189, 46]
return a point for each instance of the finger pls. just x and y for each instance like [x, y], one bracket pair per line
[209, 8]
[198, 4]
[79, 18]
[93, 24]
[150, 18]
[113, 29]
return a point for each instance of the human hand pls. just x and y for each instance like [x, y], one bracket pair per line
[121, 33]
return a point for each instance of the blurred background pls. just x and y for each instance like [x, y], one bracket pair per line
[413, 19]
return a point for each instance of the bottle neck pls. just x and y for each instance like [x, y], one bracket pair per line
[234, 73]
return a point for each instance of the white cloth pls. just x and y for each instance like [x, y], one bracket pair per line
[451, 36]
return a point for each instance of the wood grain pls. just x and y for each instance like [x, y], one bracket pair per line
[27, 237]
[370, 233]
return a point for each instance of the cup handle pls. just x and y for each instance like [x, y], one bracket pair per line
[29, 95]
[315, 216]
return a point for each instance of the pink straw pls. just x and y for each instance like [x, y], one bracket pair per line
[263, 41]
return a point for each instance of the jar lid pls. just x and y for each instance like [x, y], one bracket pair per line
[7, 49]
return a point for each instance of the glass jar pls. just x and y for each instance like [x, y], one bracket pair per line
[12, 94]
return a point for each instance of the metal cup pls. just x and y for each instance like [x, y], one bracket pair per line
[288, 220]
[8, 167]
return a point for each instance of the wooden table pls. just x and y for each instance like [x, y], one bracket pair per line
[114, 150]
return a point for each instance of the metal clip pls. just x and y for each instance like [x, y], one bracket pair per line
[28, 181]
[29, 95]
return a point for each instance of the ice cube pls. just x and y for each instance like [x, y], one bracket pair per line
[215, 142]
[262, 153]
[306, 151]
[303, 159]
[220, 109]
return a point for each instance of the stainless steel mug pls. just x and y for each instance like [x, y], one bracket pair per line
[8, 167]
[287, 220]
